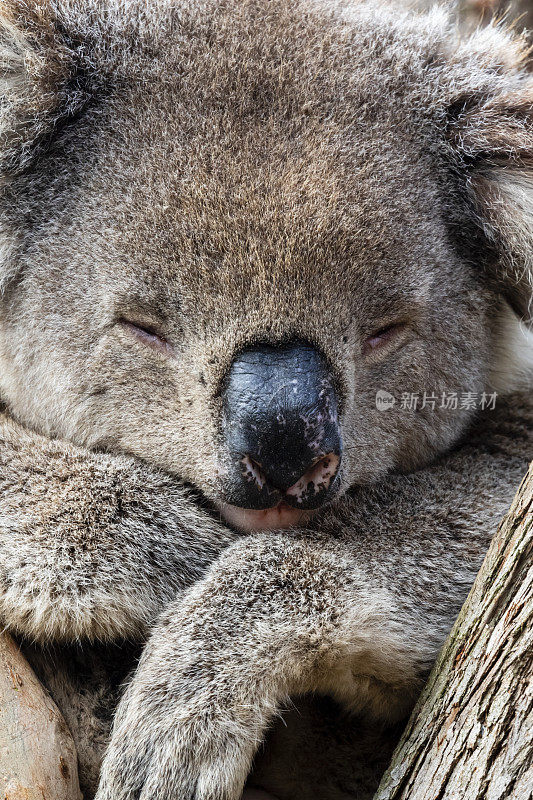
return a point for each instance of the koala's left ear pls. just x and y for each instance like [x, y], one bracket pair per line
[493, 138]
[41, 80]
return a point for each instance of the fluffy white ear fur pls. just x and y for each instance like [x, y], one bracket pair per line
[490, 129]
[16, 56]
[35, 67]
[512, 364]
[504, 196]
[496, 139]
[14, 49]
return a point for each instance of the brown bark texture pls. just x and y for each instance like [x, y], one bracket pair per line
[37, 755]
[470, 736]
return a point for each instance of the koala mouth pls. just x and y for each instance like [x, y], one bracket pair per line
[296, 505]
[279, 517]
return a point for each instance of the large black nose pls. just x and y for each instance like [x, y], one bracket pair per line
[281, 428]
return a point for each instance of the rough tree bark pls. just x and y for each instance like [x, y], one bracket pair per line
[37, 755]
[470, 736]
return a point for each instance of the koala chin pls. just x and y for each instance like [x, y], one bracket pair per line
[265, 372]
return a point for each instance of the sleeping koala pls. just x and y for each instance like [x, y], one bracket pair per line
[260, 260]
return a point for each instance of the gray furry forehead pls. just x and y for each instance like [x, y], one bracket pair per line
[56, 55]
[114, 35]
[468, 101]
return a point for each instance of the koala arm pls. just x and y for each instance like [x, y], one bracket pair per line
[92, 546]
[356, 608]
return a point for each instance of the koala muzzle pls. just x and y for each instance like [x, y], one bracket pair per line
[281, 428]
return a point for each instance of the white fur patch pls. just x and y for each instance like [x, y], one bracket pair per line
[512, 364]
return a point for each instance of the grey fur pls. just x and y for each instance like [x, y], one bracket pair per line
[229, 173]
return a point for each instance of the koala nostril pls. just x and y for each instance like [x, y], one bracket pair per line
[316, 480]
[251, 471]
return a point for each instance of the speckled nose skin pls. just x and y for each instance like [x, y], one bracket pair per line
[281, 428]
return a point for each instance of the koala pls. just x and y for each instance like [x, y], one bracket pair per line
[265, 373]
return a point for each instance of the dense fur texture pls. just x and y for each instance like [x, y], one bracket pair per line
[227, 174]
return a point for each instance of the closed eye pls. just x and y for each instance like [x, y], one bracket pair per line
[381, 337]
[147, 335]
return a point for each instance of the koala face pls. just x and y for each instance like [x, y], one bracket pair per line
[248, 224]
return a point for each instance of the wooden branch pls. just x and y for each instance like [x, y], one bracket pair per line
[470, 736]
[38, 759]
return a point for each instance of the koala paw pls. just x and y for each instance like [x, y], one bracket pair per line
[173, 759]
[187, 727]
[221, 661]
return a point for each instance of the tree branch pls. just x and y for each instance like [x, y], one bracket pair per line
[37, 755]
[470, 735]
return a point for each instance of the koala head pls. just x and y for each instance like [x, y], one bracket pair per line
[226, 228]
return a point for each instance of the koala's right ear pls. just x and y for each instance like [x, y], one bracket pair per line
[492, 135]
[40, 81]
